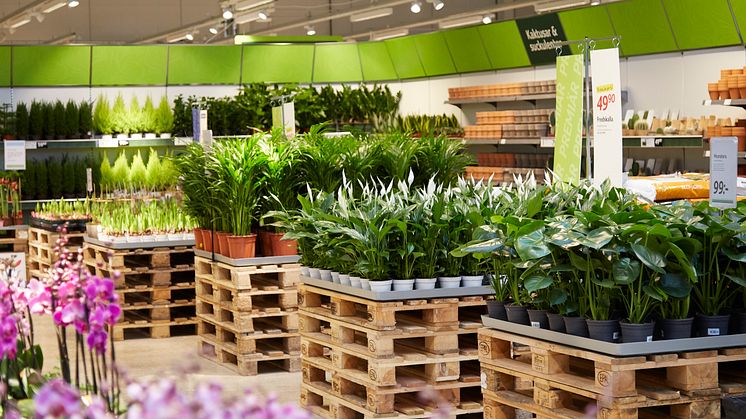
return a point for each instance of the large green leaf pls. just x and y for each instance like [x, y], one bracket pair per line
[626, 271]
[537, 282]
[597, 238]
[675, 285]
[734, 254]
[651, 258]
[532, 246]
[686, 264]
[557, 296]
[737, 279]
[578, 262]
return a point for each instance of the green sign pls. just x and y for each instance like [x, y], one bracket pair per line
[569, 118]
[541, 36]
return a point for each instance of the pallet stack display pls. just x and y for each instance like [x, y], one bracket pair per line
[42, 244]
[528, 376]
[248, 315]
[364, 358]
[155, 287]
[14, 239]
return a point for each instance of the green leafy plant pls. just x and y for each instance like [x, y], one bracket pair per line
[164, 118]
[50, 129]
[59, 120]
[54, 168]
[68, 176]
[148, 116]
[120, 171]
[85, 119]
[103, 122]
[42, 180]
[72, 120]
[107, 177]
[36, 120]
[135, 117]
[138, 174]
[22, 121]
[120, 117]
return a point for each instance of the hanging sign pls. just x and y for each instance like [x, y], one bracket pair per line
[15, 155]
[541, 35]
[569, 118]
[723, 171]
[283, 116]
[606, 110]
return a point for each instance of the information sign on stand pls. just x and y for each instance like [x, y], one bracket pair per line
[15, 155]
[607, 116]
[723, 172]
[199, 122]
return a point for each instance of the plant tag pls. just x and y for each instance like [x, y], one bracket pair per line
[123, 143]
[647, 142]
[713, 331]
[108, 143]
[31, 145]
[89, 179]
[708, 102]
[615, 335]
[727, 102]
[536, 325]
[648, 339]
[723, 171]
[483, 380]
[547, 142]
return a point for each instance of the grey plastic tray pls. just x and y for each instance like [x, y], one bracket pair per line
[618, 349]
[15, 227]
[140, 245]
[397, 295]
[269, 260]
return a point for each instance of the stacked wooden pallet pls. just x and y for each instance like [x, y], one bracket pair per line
[155, 287]
[42, 246]
[248, 315]
[14, 239]
[363, 358]
[522, 374]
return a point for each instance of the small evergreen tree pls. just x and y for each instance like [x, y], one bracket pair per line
[148, 116]
[29, 180]
[68, 177]
[120, 172]
[85, 119]
[42, 180]
[138, 174]
[72, 120]
[107, 180]
[54, 167]
[102, 117]
[81, 177]
[119, 117]
[164, 118]
[49, 126]
[135, 116]
[22, 121]
[59, 119]
[36, 120]
[154, 171]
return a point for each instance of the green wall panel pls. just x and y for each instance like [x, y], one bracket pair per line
[702, 23]
[129, 65]
[376, 62]
[643, 26]
[51, 66]
[213, 64]
[434, 54]
[337, 63]
[504, 45]
[467, 50]
[592, 22]
[5, 66]
[739, 9]
[403, 52]
[278, 63]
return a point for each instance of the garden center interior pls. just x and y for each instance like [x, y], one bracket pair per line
[373, 209]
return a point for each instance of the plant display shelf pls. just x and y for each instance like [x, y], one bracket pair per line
[41, 245]
[256, 261]
[647, 141]
[726, 102]
[248, 315]
[88, 143]
[552, 380]
[14, 238]
[531, 98]
[365, 358]
[156, 288]
[397, 295]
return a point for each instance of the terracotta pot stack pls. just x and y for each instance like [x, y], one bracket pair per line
[732, 85]
[239, 247]
[502, 89]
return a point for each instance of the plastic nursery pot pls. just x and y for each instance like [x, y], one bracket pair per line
[355, 282]
[208, 240]
[344, 279]
[425, 283]
[472, 281]
[449, 281]
[304, 271]
[403, 284]
[711, 325]
[538, 318]
[576, 326]
[280, 247]
[556, 322]
[517, 314]
[198, 242]
[242, 247]
[603, 330]
[222, 242]
[380, 286]
[325, 275]
[265, 245]
[676, 328]
[314, 273]
[741, 322]
[496, 310]
[637, 332]
[365, 284]
[335, 277]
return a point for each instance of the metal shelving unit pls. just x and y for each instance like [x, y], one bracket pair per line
[87, 143]
[494, 100]
[652, 141]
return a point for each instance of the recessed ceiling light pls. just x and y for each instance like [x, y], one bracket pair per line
[72, 3]
[227, 13]
[214, 31]
[416, 7]
[189, 37]
[487, 19]
[262, 15]
[310, 31]
[438, 4]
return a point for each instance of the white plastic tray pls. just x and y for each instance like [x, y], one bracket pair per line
[398, 295]
[269, 260]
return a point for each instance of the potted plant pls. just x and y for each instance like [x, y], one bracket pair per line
[36, 120]
[85, 119]
[103, 122]
[149, 118]
[120, 121]
[58, 113]
[72, 120]
[164, 119]
[22, 121]
[50, 131]
[135, 119]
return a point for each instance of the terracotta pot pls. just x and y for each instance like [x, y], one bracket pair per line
[282, 247]
[265, 245]
[198, 243]
[712, 89]
[221, 242]
[241, 247]
[208, 240]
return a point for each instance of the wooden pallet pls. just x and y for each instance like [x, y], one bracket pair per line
[49, 239]
[132, 260]
[156, 330]
[248, 343]
[405, 341]
[245, 322]
[145, 276]
[432, 314]
[257, 278]
[161, 294]
[266, 355]
[565, 380]
[225, 296]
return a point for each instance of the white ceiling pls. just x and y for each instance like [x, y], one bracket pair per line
[130, 21]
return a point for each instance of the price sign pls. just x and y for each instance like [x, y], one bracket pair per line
[723, 171]
[605, 100]
[607, 116]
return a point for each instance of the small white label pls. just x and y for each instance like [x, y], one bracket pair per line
[615, 335]
[713, 331]
[647, 142]
[648, 339]
[547, 142]
[89, 179]
[726, 102]
[108, 142]
[483, 380]
[31, 145]
[536, 325]
[22, 234]
[708, 102]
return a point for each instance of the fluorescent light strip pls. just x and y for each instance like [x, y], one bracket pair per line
[557, 5]
[463, 21]
[380, 36]
[54, 7]
[372, 14]
[246, 5]
[20, 23]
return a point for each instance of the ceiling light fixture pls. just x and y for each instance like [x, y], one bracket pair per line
[310, 31]
[72, 3]
[227, 13]
[213, 30]
[189, 37]
[380, 36]
[38, 16]
[20, 23]
[438, 4]
[54, 7]
[595, 2]
[557, 5]
[416, 6]
[372, 14]
[487, 19]
[262, 15]
[250, 4]
[460, 21]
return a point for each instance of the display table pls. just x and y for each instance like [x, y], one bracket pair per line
[369, 358]
[155, 287]
[248, 314]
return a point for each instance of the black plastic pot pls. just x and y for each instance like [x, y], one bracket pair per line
[538, 318]
[556, 322]
[603, 330]
[576, 326]
[634, 332]
[711, 325]
[742, 322]
[496, 309]
[517, 314]
[676, 328]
